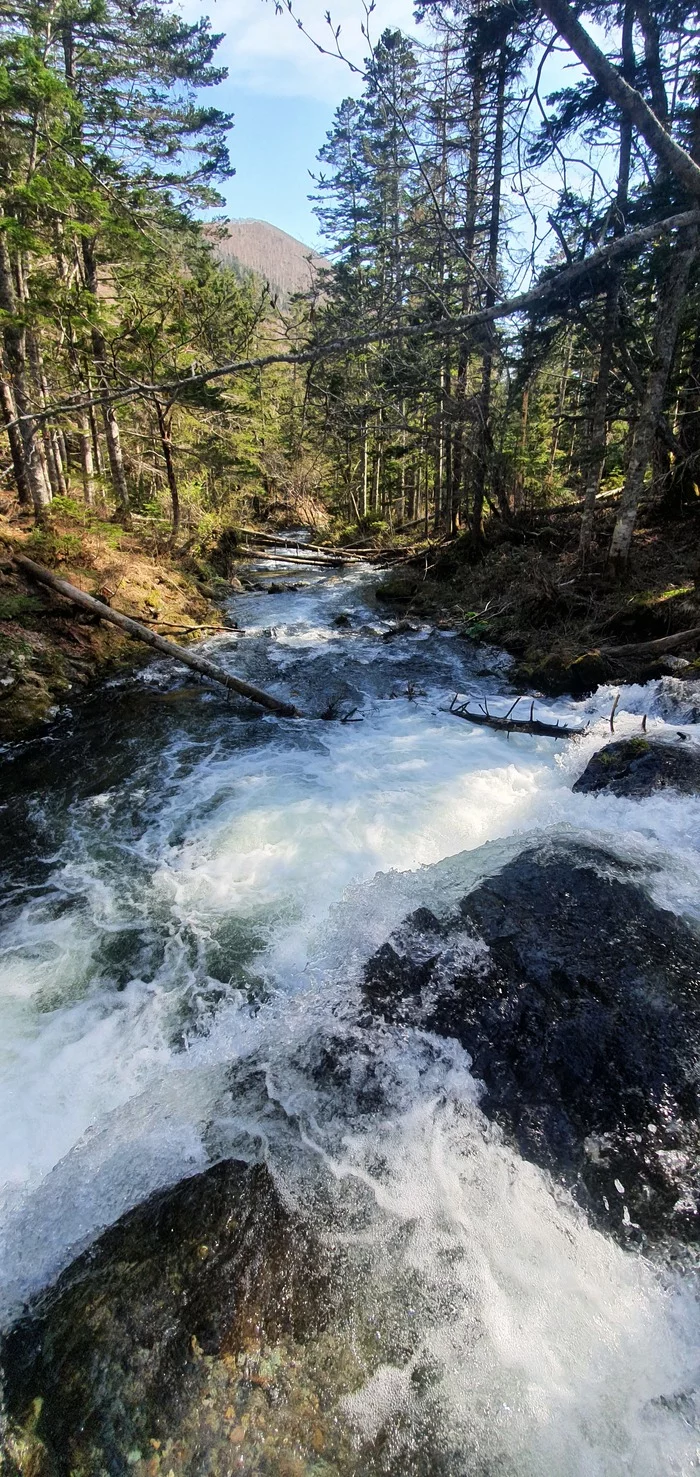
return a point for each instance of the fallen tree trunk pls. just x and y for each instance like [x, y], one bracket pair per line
[650, 648]
[150, 638]
[301, 548]
[515, 725]
[318, 560]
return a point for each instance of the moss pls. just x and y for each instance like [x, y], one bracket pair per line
[19, 607]
[557, 673]
[623, 751]
[659, 597]
[635, 746]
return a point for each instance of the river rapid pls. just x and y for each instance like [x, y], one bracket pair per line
[191, 892]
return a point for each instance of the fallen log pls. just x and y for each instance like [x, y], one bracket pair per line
[651, 648]
[150, 638]
[301, 548]
[507, 724]
[317, 559]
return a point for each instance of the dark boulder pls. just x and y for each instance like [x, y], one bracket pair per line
[579, 1002]
[641, 766]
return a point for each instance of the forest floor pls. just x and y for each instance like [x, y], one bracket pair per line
[49, 650]
[528, 594]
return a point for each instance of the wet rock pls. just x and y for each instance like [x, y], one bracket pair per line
[403, 628]
[342, 619]
[579, 1002]
[397, 588]
[194, 1334]
[641, 766]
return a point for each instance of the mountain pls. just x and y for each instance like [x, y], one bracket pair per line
[279, 259]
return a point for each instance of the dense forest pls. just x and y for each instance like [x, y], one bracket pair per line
[509, 318]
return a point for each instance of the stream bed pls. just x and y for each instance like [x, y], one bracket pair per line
[291, 1238]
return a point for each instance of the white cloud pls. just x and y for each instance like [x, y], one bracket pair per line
[267, 53]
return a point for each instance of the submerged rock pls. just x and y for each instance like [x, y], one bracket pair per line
[641, 766]
[192, 1338]
[579, 1002]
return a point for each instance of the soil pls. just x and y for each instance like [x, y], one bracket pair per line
[49, 651]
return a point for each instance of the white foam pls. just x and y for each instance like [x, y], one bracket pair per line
[548, 1345]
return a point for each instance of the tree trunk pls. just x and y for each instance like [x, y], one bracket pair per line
[16, 357]
[685, 484]
[561, 402]
[485, 442]
[629, 101]
[9, 412]
[111, 424]
[164, 427]
[669, 311]
[142, 633]
[519, 486]
[87, 465]
[52, 455]
[365, 469]
[595, 460]
[460, 496]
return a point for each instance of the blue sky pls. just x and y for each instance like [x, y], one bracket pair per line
[283, 95]
[273, 146]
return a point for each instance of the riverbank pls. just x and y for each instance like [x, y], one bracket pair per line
[49, 651]
[528, 594]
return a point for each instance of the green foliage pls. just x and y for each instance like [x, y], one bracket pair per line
[19, 608]
[474, 625]
[50, 546]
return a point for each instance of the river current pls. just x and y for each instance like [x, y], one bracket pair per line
[192, 890]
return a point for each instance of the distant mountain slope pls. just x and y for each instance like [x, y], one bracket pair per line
[281, 260]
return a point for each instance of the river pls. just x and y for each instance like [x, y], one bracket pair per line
[191, 887]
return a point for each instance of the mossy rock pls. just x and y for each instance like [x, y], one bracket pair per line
[194, 1335]
[642, 766]
[398, 588]
[557, 674]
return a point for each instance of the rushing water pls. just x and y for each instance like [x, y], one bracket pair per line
[191, 893]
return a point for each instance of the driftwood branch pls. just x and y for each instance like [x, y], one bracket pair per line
[150, 638]
[509, 724]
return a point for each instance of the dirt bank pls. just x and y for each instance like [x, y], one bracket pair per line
[48, 649]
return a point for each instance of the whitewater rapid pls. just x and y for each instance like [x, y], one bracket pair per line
[191, 893]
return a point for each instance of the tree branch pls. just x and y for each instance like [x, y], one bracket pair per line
[628, 100]
[562, 280]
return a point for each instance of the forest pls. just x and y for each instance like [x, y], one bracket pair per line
[508, 321]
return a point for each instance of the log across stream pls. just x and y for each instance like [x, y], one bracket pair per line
[213, 935]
